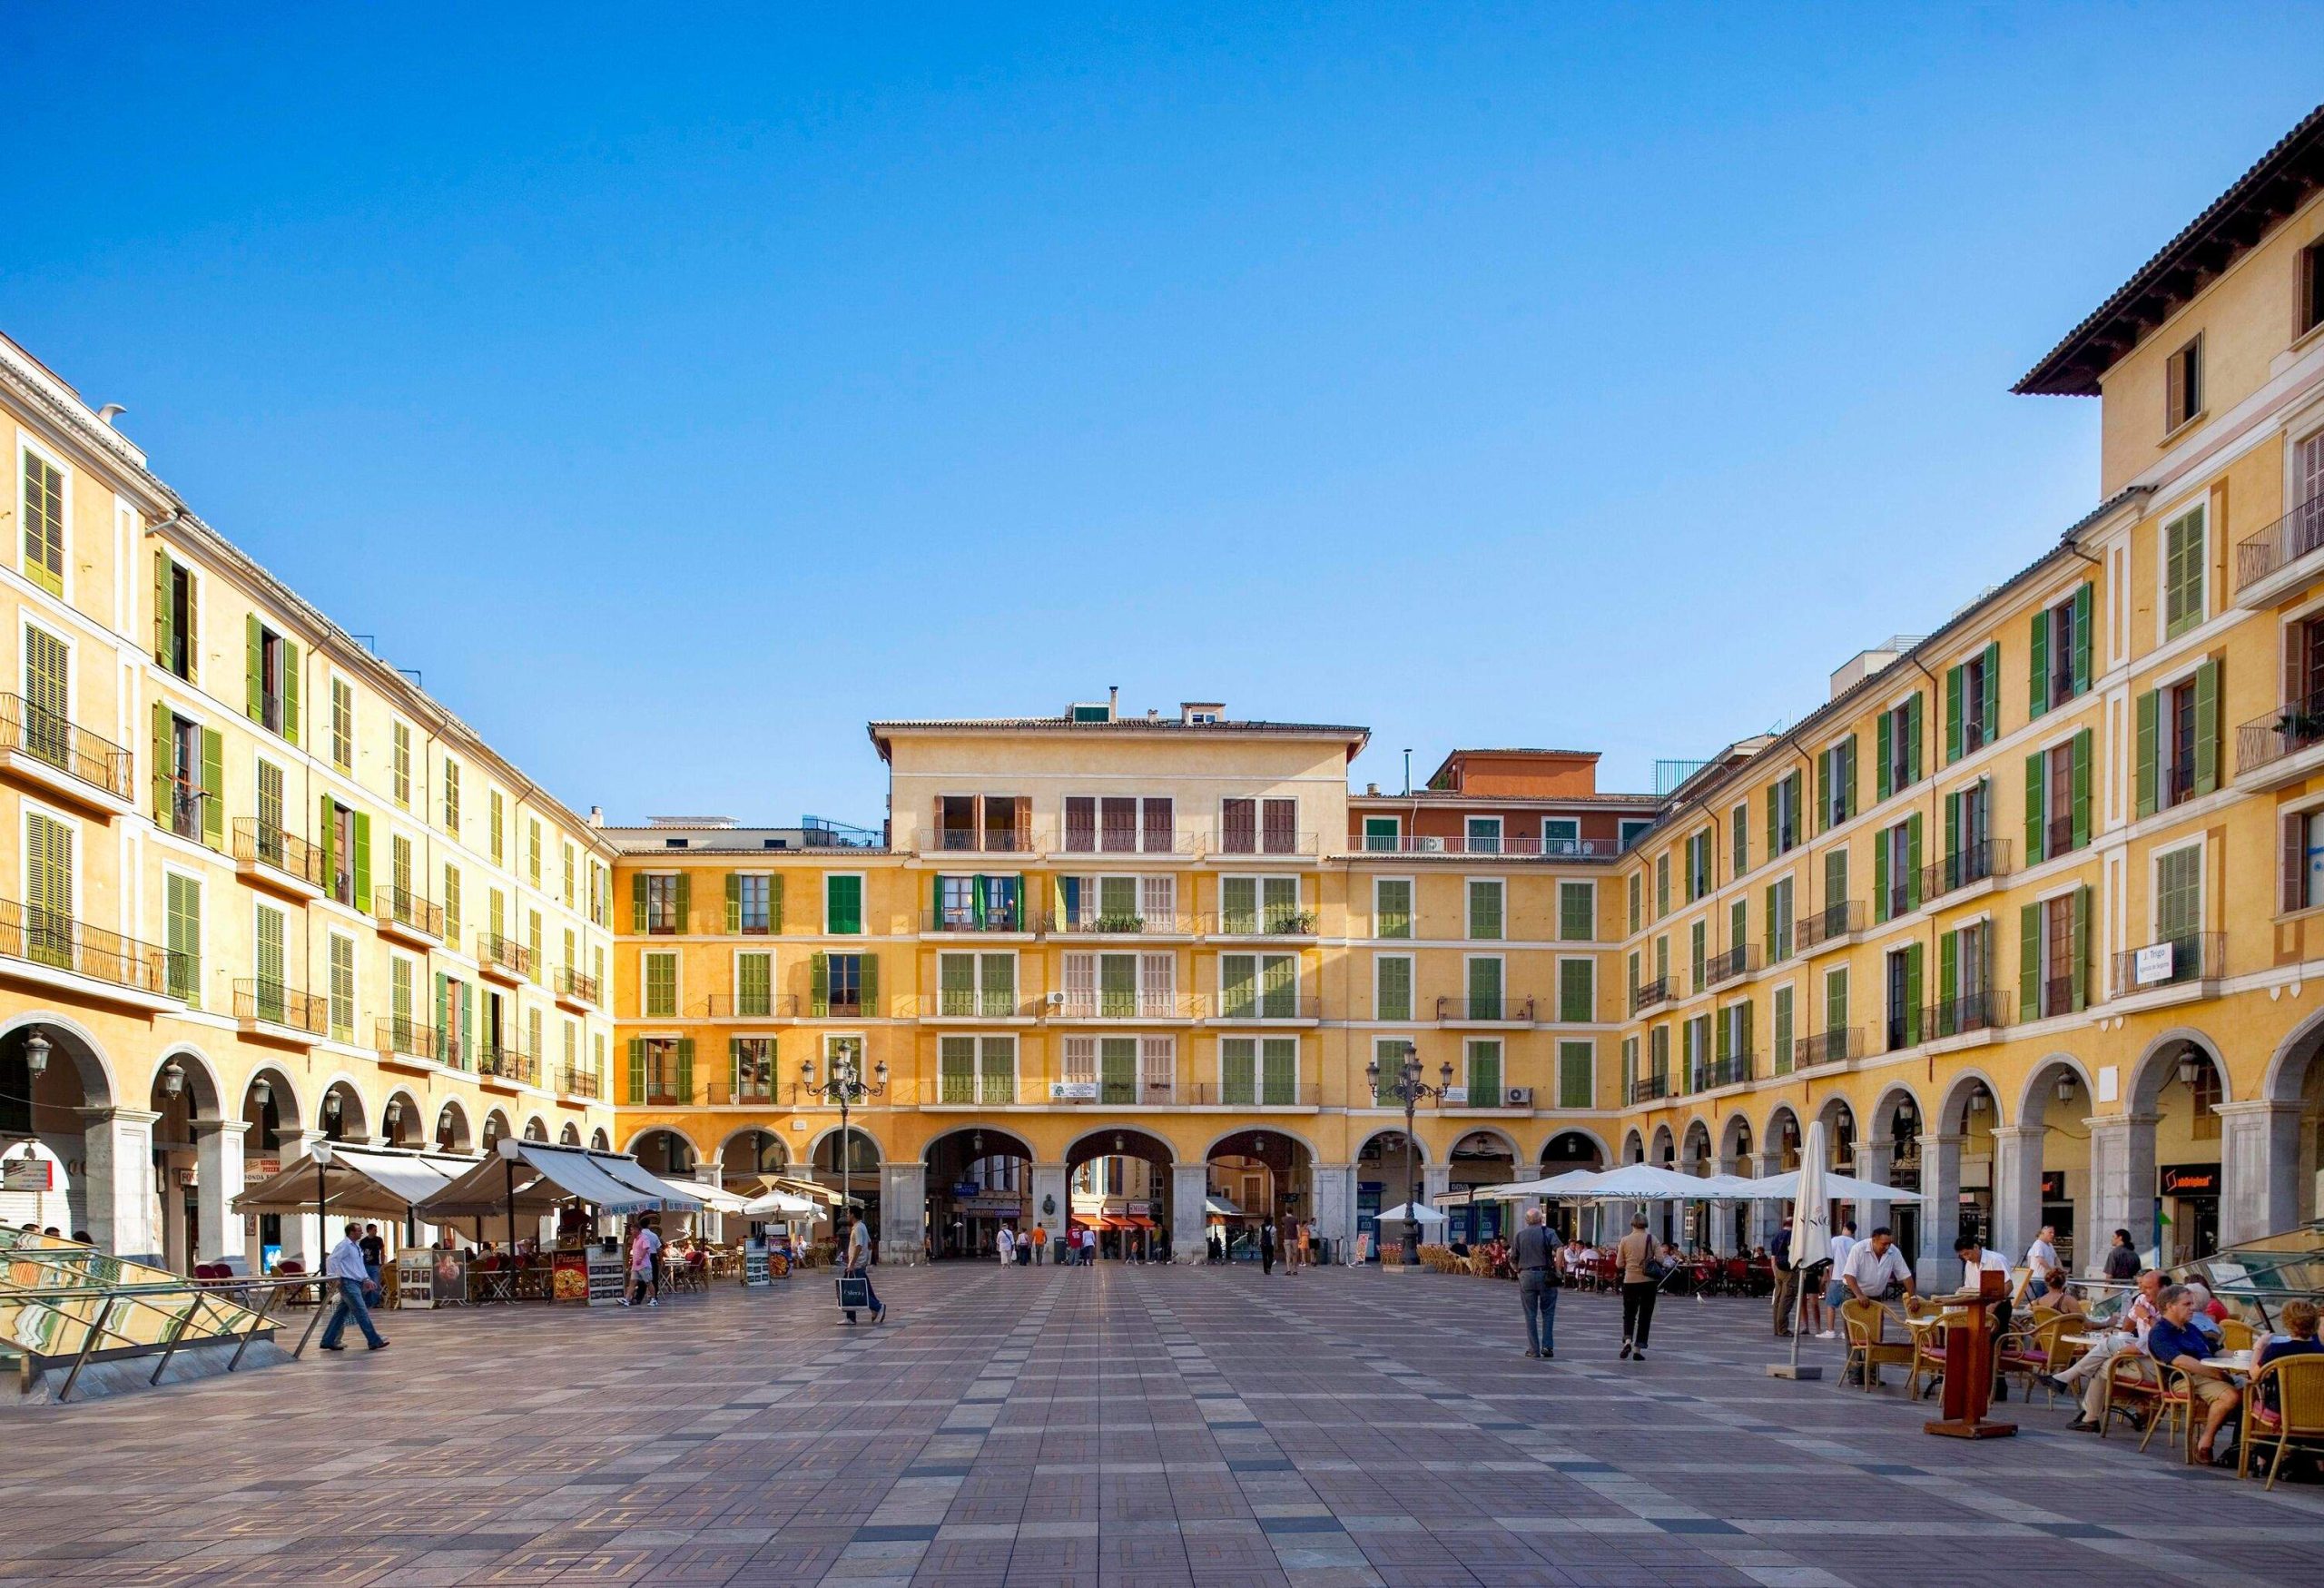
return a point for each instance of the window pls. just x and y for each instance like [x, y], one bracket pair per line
[2183, 383]
[1658, 1060]
[1780, 1029]
[402, 905]
[1483, 835]
[571, 857]
[1258, 1070]
[2054, 955]
[1485, 1001]
[269, 962]
[1699, 952]
[1633, 828]
[1483, 1072]
[44, 515]
[1968, 835]
[2311, 289]
[1484, 907]
[2185, 563]
[660, 977]
[2302, 865]
[661, 1069]
[400, 765]
[1576, 1075]
[182, 900]
[2060, 651]
[1577, 990]
[844, 984]
[1972, 703]
[982, 985]
[1732, 1045]
[1392, 907]
[843, 906]
[1964, 980]
[342, 724]
[1267, 906]
[452, 797]
[1259, 826]
[1694, 1053]
[2178, 741]
[1258, 986]
[1779, 934]
[1392, 987]
[1121, 986]
[495, 821]
[1896, 870]
[177, 616]
[2057, 798]
[750, 902]
[1898, 731]
[1903, 972]
[1001, 823]
[48, 698]
[1388, 1053]
[346, 854]
[976, 1069]
[1697, 864]
[1119, 824]
[451, 903]
[1783, 816]
[399, 1005]
[1836, 783]
[342, 988]
[659, 903]
[1577, 912]
[2179, 895]
[1836, 1006]
[1738, 824]
[1383, 834]
[1560, 835]
[533, 851]
[1118, 904]
[537, 967]
[1836, 890]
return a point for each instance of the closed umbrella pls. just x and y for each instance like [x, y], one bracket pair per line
[1811, 1240]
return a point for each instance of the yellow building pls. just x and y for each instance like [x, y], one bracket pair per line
[2022, 910]
[1165, 945]
[265, 890]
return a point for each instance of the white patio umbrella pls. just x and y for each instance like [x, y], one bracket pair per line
[1406, 1212]
[1811, 1237]
[1785, 1187]
[779, 1205]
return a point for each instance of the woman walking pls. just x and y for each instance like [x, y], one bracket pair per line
[1636, 1260]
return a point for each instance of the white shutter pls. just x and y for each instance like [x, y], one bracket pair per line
[1081, 1060]
[1158, 1068]
[1158, 903]
[1158, 984]
[1082, 984]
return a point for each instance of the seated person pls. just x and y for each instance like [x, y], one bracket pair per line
[2299, 1339]
[2174, 1341]
[2126, 1335]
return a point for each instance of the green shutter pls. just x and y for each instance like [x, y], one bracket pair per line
[685, 1069]
[2037, 805]
[254, 670]
[818, 983]
[1847, 777]
[362, 863]
[1953, 723]
[468, 1024]
[325, 814]
[735, 900]
[1952, 838]
[637, 1070]
[1948, 972]
[290, 692]
[2082, 604]
[214, 784]
[2080, 957]
[1913, 996]
[1880, 878]
[2029, 962]
[2148, 751]
[685, 901]
[1912, 712]
[2038, 695]
[774, 902]
[1772, 849]
[443, 1014]
[870, 985]
[1993, 691]
[2082, 788]
[1913, 862]
[1884, 740]
[1823, 789]
[164, 755]
[637, 902]
[2207, 729]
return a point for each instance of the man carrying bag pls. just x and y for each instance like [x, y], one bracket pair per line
[855, 1292]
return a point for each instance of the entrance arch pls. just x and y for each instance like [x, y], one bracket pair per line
[2172, 1150]
[1892, 1157]
[1479, 1158]
[342, 1117]
[452, 1129]
[1110, 1173]
[1390, 1168]
[663, 1152]
[1266, 1174]
[979, 1178]
[2047, 1149]
[747, 1154]
[860, 1178]
[190, 1165]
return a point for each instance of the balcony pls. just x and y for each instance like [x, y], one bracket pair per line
[46, 750]
[268, 1009]
[503, 958]
[1272, 844]
[1965, 1014]
[1129, 842]
[407, 915]
[1009, 917]
[754, 1006]
[404, 1037]
[1648, 1089]
[1096, 924]
[1983, 861]
[1117, 1092]
[1647, 996]
[1260, 1007]
[1483, 1009]
[1828, 1048]
[2282, 557]
[973, 841]
[575, 1081]
[1120, 1006]
[1735, 1070]
[1834, 923]
[265, 857]
[974, 1004]
[1254, 1094]
[2282, 748]
[2180, 967]
[1512, 848]
[507, 1062]
[1263, 923]
[573, 989]
[1739, 961]
[62, 948]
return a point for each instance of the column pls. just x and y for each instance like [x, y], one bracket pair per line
[2017, 1185]
[1935, 1268]
[1336, 1205]
[2258, 1165]
[904, 1213]
[1739, 1164]
[1189, 1190]
[1874, 1161]
[710, 1224]
[117, 1181]
[1052, 1202]
[2121, 1185]
[218, 1180]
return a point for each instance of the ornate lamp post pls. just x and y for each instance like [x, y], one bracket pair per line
[1408, 1088]
[845, 1087]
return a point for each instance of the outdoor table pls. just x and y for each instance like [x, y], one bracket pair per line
[2235, 1364]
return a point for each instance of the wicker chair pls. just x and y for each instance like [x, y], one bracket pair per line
[2235, 1334]
[2034, 1351]
[2299, 1416]
[1866, 1324]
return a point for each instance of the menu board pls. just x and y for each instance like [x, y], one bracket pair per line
[451, 1282]
[756, 1270]
[606, 1277]
[416, 1279]
[569, 1277]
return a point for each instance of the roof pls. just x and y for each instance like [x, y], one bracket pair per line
[2284, 178]
[1446, 796]
[1355, 737]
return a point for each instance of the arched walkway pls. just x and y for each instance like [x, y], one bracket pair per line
[1113, 1173]
[979, 1178]
[1479, 1158]
[1265, 1176]
[1391, 1167]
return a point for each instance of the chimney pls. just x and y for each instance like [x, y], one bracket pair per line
[1372, 791]
[1113, 701]
[597, 815]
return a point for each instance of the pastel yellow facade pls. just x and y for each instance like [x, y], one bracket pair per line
[259, 888]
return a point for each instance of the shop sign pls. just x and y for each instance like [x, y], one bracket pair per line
[755, 1267]
[2189, 1179]
[1456, 1096]
[993, 1205]
[2155, 964]
[1141, 1209]
[965, 1189]
[1073, 1091]
[26, 1174]
[2054, 1186]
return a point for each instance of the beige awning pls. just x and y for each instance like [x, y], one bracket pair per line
[354, 1179]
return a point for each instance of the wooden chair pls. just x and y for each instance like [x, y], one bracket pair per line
[2299, 1416]
[2033, 1352]
[1866, 1324]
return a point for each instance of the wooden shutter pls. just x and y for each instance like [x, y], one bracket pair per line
[818, 983]
[735, 902]
[637, 902]
[774, 902]
[1880, 877]
[2293, 863]
[2082, 606]
[362, 825]
[1953, 720]
[2150, 712]
[2038, 693]
[1774, 849]
[2037, 807]
[1823, 789]
[869, 997]
[1948, 978]
[254, 669]
[214, 784]
[164, 747]
[1913, 861]
[327, 815]
[2029, 962]
[1913, 995]
[685, 1069]
[2081, 960]
[1991, 726]
[2080, 791]
[637, 1070]
[1913, 740]
[1883, 740]
[685, 901]
[290, 692]
[164, 613]
[2206, 728]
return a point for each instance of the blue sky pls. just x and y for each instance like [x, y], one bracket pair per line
[676, 393]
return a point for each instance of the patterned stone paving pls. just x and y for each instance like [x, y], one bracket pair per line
[1132, 1426]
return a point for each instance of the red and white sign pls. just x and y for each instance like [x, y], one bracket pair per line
[27, 1174]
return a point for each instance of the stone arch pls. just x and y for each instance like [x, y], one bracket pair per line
[98, 1085]
[536, 1129]
[205, 1091]
[815, 1146]
[599, 1141]
[2039, 1092]
[1782, 1136]
[638, 1136]
[2286, 1079]
[1270, 1129]
[449, 1131]
[1952, 1109]
[1895, 1098]
[739, 1131]
[1697, 1135]
[1665, 1147]
[2156, 1067]
[402, 1120]
[281, 1096]
[1597, 1144]
[353, 1121]
[1395, 1137]
[1633, 1147]
[570, 1136]
[495, 1129]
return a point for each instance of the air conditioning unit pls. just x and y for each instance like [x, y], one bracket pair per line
[1057, 1000]
[1429, 845]
[1519, 1096]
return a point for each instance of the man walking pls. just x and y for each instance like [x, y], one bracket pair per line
[1005, 1243]
[1040, 1245]
[1287, 1240]
[1266, 1246]
[1835, 1290]
[1786, 1279]
[1537, 1287]
[375, 1254]
[345, 1264]
[858, 1262]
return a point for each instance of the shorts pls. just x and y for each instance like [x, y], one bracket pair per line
[1834, 1294]
[2209, 1392]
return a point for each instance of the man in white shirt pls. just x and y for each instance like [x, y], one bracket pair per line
[1836, 1291]
[1977, 1258]
[2087, 1377]
[1005, 1243]
[2042, 1264]
[346, 1266]
[1874, 1270]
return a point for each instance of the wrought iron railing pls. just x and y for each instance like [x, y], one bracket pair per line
[412, 1038]
[1647, 994]
[493, 948]
[65, 745]
[275, 1004]
[2197, 956]
[1519, 847]
[1972, 862]
[1833, 921]
[767, 1005]
[508, 1061]
[1493, 1007]
[1646, 1089]
[2280, 545]
[1831, 1047]
[1735, 1070]
[1010, 917]
[266, 844]
[1738, 960]
[46, 937]
[414, 912]
[2294, 726]
[568, 982]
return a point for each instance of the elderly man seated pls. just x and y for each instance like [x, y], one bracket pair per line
[2174, 1341]
[2087, 1377]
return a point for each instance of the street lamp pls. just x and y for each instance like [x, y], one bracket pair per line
[1408, 1088]
[36, 1046]
[845, 1087]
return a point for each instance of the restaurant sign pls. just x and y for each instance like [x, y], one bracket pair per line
[27, 1174]
[2189, 1179]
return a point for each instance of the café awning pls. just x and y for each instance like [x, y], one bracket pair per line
[354, 1179]
[717, 1199]
[533, 1176]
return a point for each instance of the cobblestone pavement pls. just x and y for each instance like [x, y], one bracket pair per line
[1134, 1425]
